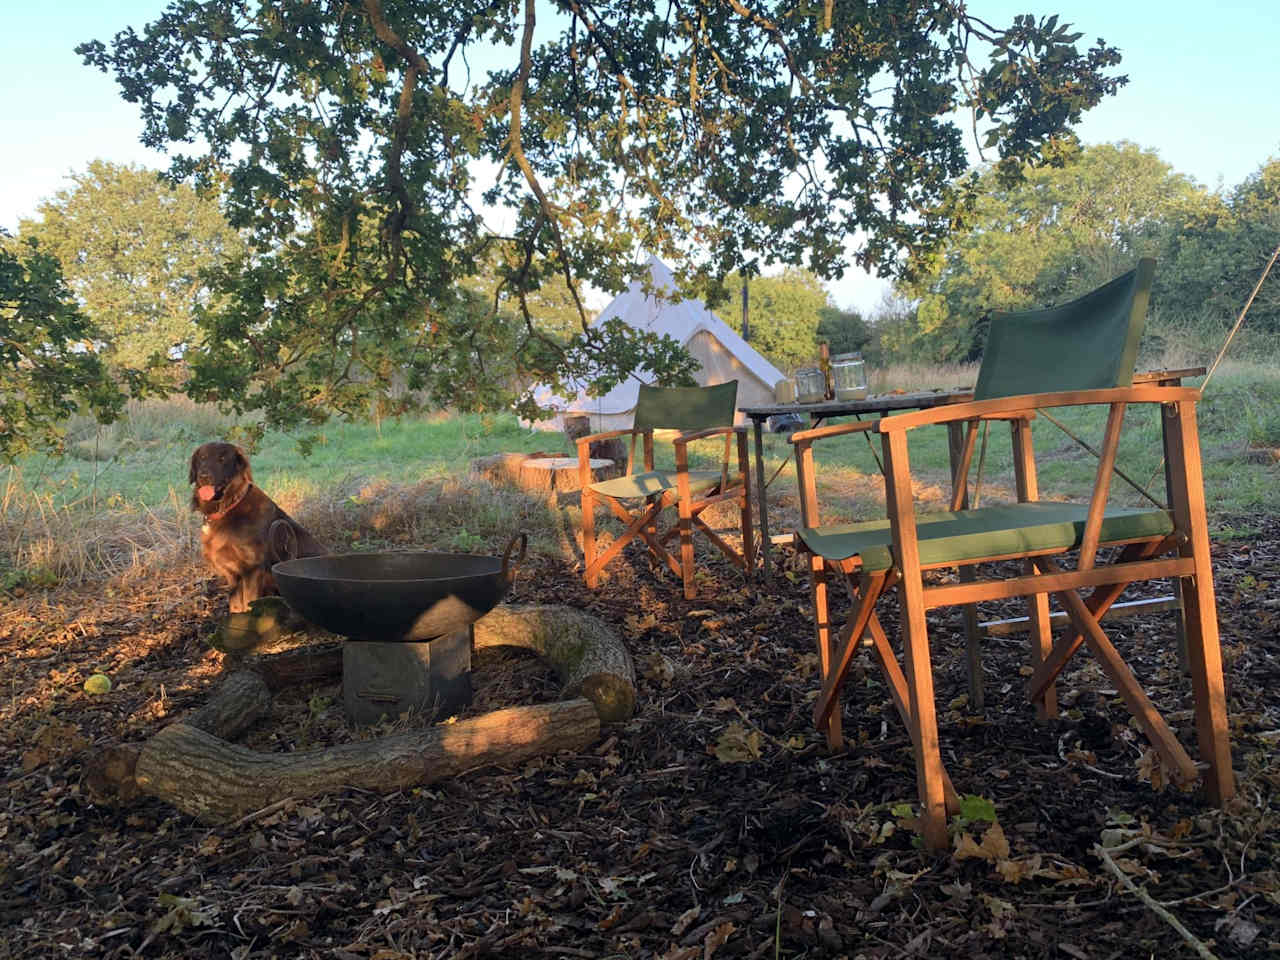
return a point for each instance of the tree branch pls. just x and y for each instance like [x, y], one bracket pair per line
[517, 152]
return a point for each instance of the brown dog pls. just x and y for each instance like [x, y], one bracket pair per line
[244, 531]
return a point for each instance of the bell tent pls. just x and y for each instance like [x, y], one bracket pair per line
[722, 354]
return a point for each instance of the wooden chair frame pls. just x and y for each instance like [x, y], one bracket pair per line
[1184, 554]
[643, 524]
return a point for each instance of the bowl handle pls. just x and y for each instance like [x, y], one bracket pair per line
[509, 566]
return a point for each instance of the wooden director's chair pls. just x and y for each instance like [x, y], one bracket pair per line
[1078, 354]
[699, 413]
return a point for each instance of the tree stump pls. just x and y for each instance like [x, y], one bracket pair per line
[503, 469]
[559, 474]
[541, 473]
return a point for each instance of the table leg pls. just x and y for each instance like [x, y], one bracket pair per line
[761, 497]
[972, 634]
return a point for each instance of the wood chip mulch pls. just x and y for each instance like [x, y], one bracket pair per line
[714, 823]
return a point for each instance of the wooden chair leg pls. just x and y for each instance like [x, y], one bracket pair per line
[1204, 653]
[919, 667]
[924, 732]
[822, 629]
[589, 536]
[1135, 698]
[686, 548]
[960, 448]
[846, 643]
[1028, 487]
[1041, 645]
[1204, 660]
[744, 506]
[897, 682]
[643, 525]
[973, 646]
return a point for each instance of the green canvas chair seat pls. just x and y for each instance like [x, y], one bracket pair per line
[1016, 528]
[654, 482]
[681, 415]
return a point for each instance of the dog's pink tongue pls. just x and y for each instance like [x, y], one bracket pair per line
[205, 493]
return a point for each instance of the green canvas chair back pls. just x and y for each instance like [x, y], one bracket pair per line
[1090, 343]
[686, 408]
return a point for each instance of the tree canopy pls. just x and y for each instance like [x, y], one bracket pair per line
[1054, 233]
[132, 249]
[1061, 231]
[346, 138]
[784, 312]
[48, 367]
[1215, 255]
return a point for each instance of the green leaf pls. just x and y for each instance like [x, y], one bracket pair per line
[973, 808]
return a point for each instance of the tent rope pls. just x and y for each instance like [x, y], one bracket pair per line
[781, 466]
[1118, 472]
[1226, 343]
[866, 435]
[982, 459]
[1240, 319]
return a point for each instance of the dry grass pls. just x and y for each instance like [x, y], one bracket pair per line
[43, 544]
[78, 544]
[921, 376]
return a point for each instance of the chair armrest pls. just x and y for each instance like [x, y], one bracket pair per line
[1004, 406]
[584, 451]
[835, 430]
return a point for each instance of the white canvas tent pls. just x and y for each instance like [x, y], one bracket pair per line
[722, 353]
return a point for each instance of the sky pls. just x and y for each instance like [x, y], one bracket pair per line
[1201, 92]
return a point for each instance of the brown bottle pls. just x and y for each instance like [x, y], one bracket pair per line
[824, 363]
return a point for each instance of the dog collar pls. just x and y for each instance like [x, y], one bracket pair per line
[231, 506]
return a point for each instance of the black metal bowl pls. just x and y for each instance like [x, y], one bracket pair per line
[404, 595]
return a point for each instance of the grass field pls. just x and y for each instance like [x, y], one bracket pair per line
[120, 495]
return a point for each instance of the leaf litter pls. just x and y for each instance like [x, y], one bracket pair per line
[714, 823]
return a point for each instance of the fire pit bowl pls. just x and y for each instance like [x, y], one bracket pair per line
[402, 596]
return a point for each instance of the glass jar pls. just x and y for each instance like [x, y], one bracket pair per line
[849, 376]
[811, 385]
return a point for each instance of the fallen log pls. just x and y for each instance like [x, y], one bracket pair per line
[240, 700]
[295, 667]
[216, 781]
[110, 773]
[587, 654]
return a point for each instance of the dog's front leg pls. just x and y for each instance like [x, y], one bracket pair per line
[254, 584]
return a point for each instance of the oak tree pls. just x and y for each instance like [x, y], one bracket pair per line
[1052, 235]
[347, 138]
[48, 367]
[132, 249]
